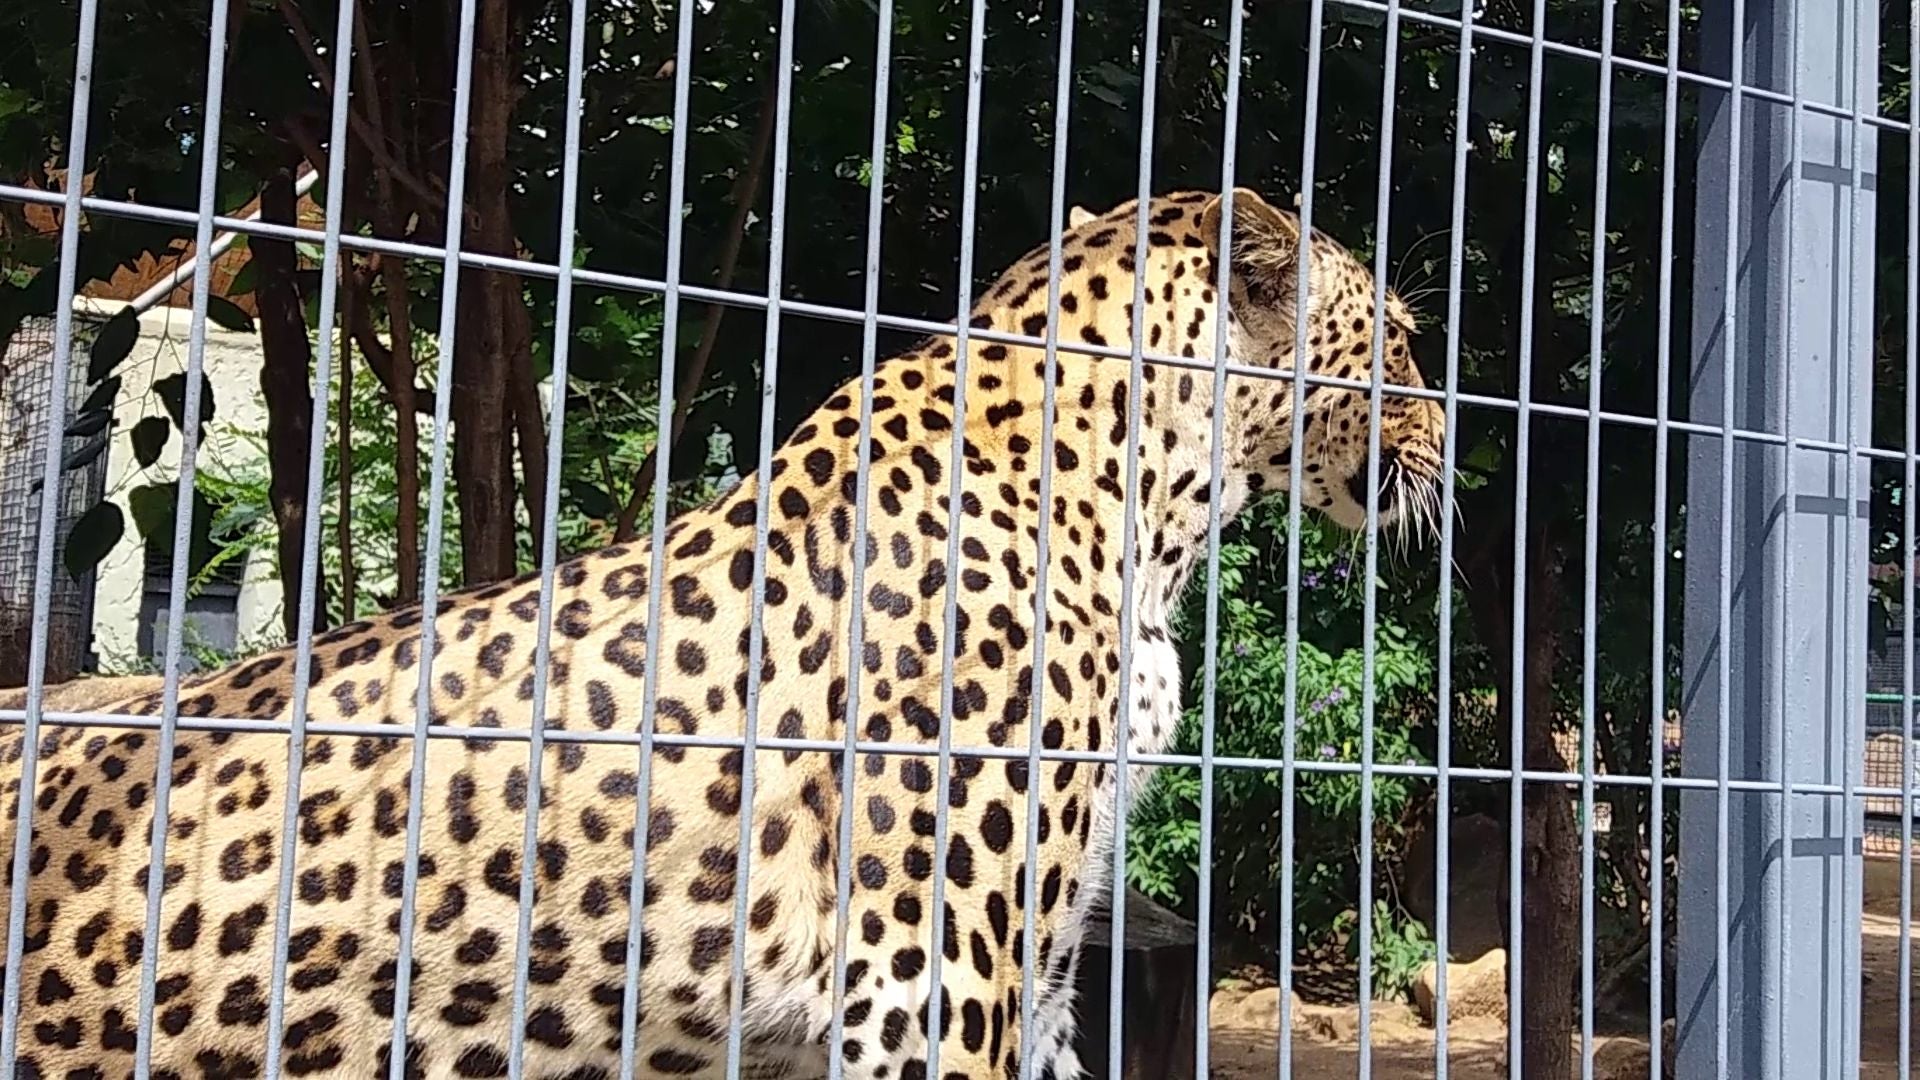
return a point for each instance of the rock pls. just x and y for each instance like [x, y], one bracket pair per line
[1473, 989]
[1238, 1006]
[1326, 1023]
[1626, 1058]
[1620, 1057]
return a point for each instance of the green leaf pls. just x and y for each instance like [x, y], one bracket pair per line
[112, 344]
[173, 391]
[149, 438]
[13, 100]
[227, 315]
[102, 396]
[83, 457]
[95, 534]
[592, 501]
[90, 422]
[152, 506]
[243, 282]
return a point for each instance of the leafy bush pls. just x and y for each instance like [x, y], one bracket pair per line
[1250, 807]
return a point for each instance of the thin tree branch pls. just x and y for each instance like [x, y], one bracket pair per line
[529, 426]
[606, 462]
[349, 590]
[691, 376]
[406, 543]
[375, 352]
[374, 141]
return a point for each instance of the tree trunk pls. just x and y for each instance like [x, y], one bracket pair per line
[1158, 1013]
[1549, 903]
[286, 360]
[1549, 837]
[482, 410]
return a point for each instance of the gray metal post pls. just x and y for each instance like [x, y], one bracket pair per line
[1769, 951]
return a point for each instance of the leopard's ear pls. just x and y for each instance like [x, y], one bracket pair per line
[1266, 241]
[1078, 216]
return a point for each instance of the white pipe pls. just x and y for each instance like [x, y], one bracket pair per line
[184, 272]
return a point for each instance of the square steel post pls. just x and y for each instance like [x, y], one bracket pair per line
[1775, 655]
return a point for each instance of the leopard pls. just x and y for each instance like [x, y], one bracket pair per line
[739, 792]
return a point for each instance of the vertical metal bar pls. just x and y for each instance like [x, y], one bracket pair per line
[1370, 615]
[1229, 159]
[549, 531]
[962, 325]
[1449, 454]
[47, 537]
[436, 534]
[955, 475]
[1657, 662]
[1523, 430]
[309, 601]
[1782, 929]
[1852, 886]
[1056, 221]
[756, 633]
[210, 156]
[1303, 283]
[862, 472]
[1724, 599]
[657, 542]
[1602, 155]
[1129, 551]
[1907, 558]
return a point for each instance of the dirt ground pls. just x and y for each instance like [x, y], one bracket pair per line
[1325, 1045]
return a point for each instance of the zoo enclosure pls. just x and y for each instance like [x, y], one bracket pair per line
[1777, 448]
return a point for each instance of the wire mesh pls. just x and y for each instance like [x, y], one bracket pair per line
[26, 373]
[1617, 798]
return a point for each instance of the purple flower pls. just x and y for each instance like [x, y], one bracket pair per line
[1341, 569]
[1240, 649]
[1310, 579]
[1332, 697]
[1327, 753]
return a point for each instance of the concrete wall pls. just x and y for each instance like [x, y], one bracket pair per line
[232, 366]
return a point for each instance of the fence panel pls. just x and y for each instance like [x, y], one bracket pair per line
[991, 629]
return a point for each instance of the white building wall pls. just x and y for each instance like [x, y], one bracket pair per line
[232, 365]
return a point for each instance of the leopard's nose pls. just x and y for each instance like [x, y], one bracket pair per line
[1388, 493]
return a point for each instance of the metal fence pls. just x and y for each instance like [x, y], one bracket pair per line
[26, 389]
[1777, 450]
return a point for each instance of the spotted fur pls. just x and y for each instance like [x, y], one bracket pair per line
[95, 787]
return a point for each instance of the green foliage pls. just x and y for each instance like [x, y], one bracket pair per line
[149, 437]
[1330, 729]
[1401, 946]
[92, 536]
